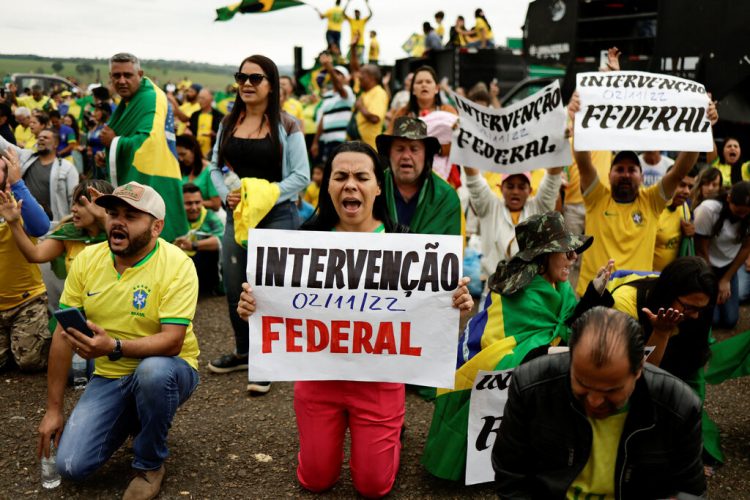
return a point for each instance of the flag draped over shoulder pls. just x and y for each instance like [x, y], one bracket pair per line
[438, 208]
[498, 338]
[253, 7]
[144, 151]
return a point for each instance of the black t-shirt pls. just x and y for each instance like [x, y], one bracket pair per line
[253, 158]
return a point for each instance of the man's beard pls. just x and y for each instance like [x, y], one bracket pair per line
[135, 244]
[624, 192]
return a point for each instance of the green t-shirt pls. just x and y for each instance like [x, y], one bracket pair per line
[203, 181]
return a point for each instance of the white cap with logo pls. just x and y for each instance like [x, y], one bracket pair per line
[138, 196]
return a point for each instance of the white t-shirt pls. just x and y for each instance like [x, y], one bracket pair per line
[723, 248]
[653, 173]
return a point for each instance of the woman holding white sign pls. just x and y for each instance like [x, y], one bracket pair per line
[351, 200]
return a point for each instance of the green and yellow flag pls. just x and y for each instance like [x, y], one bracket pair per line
[144, 151]
[253, 7]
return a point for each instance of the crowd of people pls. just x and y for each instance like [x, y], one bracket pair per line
[130, 202]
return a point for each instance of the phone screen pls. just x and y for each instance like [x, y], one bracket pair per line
[73, 318]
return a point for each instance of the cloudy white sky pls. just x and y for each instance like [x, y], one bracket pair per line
[185, 30]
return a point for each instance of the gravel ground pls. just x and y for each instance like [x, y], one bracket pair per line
[225, 444]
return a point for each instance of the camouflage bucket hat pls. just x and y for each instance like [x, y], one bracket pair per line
[406, 127]
[538, 235]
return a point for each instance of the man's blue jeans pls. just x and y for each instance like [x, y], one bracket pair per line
[142, 403]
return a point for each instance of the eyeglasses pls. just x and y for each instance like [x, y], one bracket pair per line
[255, 78]
[687, 308]
[571, 254]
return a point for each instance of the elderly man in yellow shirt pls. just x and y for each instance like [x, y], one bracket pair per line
[184, 111]
[22, 132]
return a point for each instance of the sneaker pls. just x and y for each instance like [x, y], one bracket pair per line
[145, 485]
[258, 387]
[228, 363]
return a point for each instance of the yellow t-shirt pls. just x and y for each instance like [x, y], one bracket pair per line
[482, 25]
[440, 30]
[161, 289]
[311, 194]
[626, 297]
[72, 249]
[188, 108]
[726, 171]
[669, 235]
[374, 52]
[294, 108]
[335, 16]
[602, 161]
[205, 120]
[20, 280]
[597, 479]
[23, 135]
[308, 112]
[45, 103]
[625, 232]
[376, 102]
[357, 26]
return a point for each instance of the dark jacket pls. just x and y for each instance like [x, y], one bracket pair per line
[545, 438]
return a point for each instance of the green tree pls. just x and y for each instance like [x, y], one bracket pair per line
[84, 68]
[57, 66]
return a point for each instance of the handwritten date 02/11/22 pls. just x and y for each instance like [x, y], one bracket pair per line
[366, 302]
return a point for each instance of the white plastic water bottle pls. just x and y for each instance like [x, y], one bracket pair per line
[50, 476]
[79, 372]
[231, 180]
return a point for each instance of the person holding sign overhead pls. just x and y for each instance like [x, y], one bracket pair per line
[623, 218]
[351, 199]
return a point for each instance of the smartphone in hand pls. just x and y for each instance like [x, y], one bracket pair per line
[73, 318]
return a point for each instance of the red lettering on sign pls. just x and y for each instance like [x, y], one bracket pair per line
[314, 325]
[267, 334]
[406, 348]
[385, 341]
[361, 337]
[338, 335]
[292, 334]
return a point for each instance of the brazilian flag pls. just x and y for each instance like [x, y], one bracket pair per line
[253, 7]
[144, 151]
[498, 338]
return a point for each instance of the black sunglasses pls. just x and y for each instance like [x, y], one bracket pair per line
[255, 78]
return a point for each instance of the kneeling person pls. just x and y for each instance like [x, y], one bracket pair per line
[202, 243]
[139, 293]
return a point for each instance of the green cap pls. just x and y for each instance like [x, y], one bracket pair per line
[406, 127]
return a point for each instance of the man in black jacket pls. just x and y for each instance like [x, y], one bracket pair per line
[599, 423]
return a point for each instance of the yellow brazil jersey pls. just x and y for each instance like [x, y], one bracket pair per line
[726, 171]
[45, 103]
[357, 26]
[335, 16]
[161, 289]
[72, 249]
[625, 232]
[312, 193]
[20, 280]
[440, 30]
[602, 161]
[669, 235]
[23, 136]
[205, 122]
[188, 108]
[374, 53]
[597, 479]
[375, 101]
[294, 108]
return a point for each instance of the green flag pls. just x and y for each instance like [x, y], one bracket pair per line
[253, 7]
[144, 151]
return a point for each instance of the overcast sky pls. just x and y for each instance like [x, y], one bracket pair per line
[185, 29]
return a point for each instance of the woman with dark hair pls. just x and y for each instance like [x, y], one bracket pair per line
[194, 169]
[482, 31]
[426, 104]
[100, 115]
[709, 185]
[730, 162]
[722, 239]
[351, 200]
[255, 140]
[84, 227]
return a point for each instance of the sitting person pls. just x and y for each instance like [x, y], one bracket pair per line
[203, 242]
